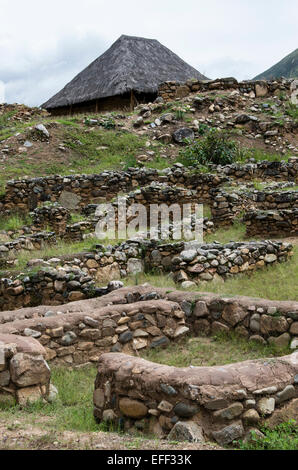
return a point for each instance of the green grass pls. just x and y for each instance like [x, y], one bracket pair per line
[276, 282]
[235, 232]
[216, 350]
[49, 251]
[14, 222]
[73, 409]
[76, 217]
[260, 155]
[282, 437]
[91, 157]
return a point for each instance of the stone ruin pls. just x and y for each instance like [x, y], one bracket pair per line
[56, 315]
[194, 403]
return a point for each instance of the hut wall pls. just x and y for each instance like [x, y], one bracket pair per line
[111, 103]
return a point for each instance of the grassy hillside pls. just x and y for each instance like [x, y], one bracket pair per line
[287, 67]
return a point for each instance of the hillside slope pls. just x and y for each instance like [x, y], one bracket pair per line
[287, 67]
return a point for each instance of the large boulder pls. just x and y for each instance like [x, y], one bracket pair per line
[27, 370]
[182, 134]
[186, 431]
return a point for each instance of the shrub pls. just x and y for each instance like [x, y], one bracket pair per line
[282, 437]
[292, 111]
[215, 147]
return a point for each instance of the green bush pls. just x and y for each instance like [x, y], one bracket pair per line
[215, 147]
[292, 111]
[282, 437]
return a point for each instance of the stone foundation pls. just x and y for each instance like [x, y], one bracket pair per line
[24, 373]
[170, 91]
[283, 223]
[70, 278]
[132, 319]
[220, 403]
[228, 205]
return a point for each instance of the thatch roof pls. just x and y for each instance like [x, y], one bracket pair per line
[131, 63]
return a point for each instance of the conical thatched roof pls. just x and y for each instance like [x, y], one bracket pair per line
[131, 63]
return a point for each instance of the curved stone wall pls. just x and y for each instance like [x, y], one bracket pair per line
[131, 319]
[220, 403]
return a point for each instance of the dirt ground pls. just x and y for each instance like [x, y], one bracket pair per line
[18, 435]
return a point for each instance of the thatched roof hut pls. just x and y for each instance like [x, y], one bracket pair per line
[129, 72]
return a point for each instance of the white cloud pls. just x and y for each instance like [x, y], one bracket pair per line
[42, 46]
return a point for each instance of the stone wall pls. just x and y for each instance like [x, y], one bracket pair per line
[223, 401]
[263, 170]
[76, 191]
[283, 223]
[79, 190]
[227, 205]
[24, 373]
[53, 216]
[169, 91]
[132, 319]
[220, 403]
[45, 286]
[70, 278]
[9, 251]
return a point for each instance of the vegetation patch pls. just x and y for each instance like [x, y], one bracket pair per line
[214, 147]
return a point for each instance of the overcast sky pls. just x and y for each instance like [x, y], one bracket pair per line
[43, 45]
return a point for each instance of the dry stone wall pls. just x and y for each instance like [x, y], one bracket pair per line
[219, 402]
[228, 205]
[263, 170]
[169, 91]
[46, 286]
[66, 279]
[9, 251]
[24, 373]
[76, 191]
[282, 223]
[132, 319]
[79, 190]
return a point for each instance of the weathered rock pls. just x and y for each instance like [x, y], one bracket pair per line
[183, 134]
[29, 370]
[228, 434]
[230, 412]
[132, 408]
[251, 417]
[266, 406]
[184, 410]
[186, 431]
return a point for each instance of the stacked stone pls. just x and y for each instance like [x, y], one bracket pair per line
[283, 223]
[48, 286]
[215, 261]
[27, 194]
[133, 319]
[188, 263]
[279, 170]
[24, 373]
[80, 230]
[228, 205]
[220, 403]
[79, 338]
[170, 91]
[9, 251]
[51, 215]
